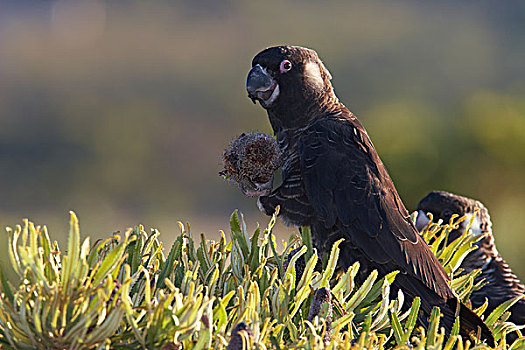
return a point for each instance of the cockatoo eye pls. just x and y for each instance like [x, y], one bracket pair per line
[285, 66]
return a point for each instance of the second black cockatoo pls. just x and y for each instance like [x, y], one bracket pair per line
[334, 181]
[502, 283]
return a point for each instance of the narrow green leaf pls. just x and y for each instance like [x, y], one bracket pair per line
[253, 259]
[306, 235]
[497, 312]
[433, 326]
[237, 233]
[110, 263]
[70, 264]
[396, 327]
[411, 320]
[169, 264]
[362, 292]
[331, 266]
[5, 288]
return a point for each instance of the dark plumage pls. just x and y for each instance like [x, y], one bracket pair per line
[334, 181]
[250, 161]
[300, 264]
[502, 284]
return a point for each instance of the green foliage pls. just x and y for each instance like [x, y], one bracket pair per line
[124, 293]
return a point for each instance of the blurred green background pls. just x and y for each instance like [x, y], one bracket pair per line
[120, 110]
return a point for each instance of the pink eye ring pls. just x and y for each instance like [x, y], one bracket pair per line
[285, 66]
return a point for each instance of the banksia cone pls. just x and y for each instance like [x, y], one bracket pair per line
[251, 161]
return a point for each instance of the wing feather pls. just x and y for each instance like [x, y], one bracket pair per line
[349, 188]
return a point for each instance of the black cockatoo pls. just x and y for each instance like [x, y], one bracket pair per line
[502, 283]
[334, 182]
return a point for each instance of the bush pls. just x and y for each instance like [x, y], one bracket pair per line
[125, 293]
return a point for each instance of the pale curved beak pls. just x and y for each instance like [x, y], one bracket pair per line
[422, 220]
[261, 86]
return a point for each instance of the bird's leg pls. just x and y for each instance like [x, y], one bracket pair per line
[251, 189]
[292, 199]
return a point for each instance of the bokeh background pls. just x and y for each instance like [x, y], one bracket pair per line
[120, 110]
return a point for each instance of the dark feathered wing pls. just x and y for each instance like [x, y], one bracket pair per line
[351, 192]
[348, 187]
[501, 282]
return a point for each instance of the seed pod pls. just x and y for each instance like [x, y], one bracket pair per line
[251, 161]
[241, 337]
[322, 306]
[172, 346]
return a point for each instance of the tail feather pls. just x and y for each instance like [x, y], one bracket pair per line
[470, 323]
[451, 308]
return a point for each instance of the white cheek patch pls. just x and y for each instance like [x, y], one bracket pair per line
[476, 224]
[312, 74]
[326, 70]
